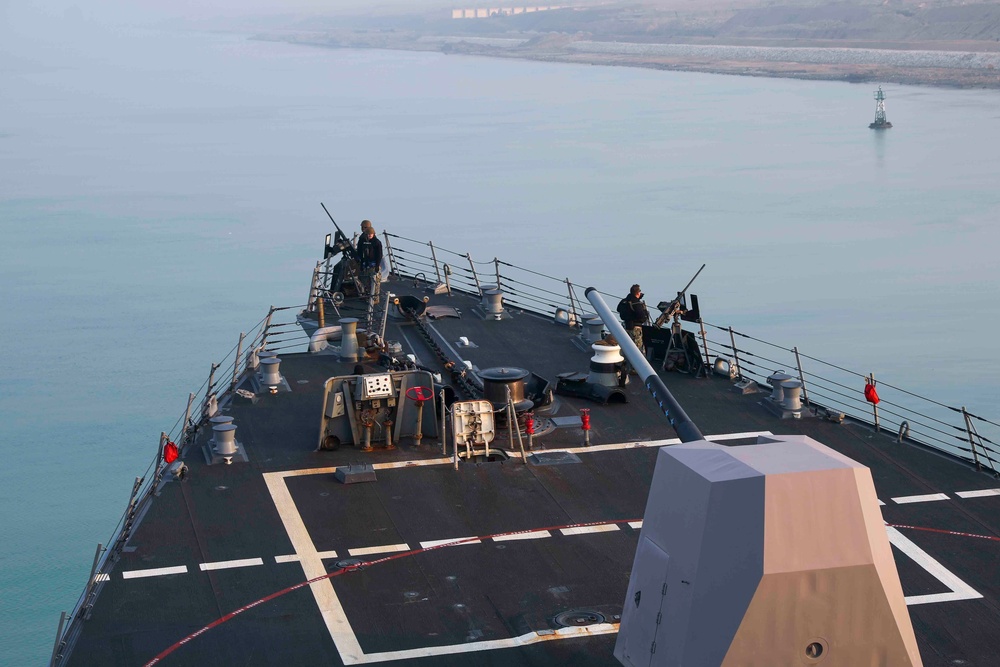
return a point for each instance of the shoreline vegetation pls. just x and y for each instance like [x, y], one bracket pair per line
[943, 43]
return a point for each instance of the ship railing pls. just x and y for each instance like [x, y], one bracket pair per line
[218, 389]
[522, 288]
[829, 388]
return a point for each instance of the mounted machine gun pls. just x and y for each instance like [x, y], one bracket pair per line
[679, 347]
[345, 277]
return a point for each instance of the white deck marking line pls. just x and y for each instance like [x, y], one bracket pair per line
[155, 572]
[312, 566]
[230, 564]
[982, 493]
[436, 543]
[959, 589]
[534, 535]
[494, 644]
[327, 554]
[927, 498]
[384, 549]
[638, 444]
[635, 524]
[288, 558]
[580, 530]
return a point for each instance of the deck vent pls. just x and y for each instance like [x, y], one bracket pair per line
[492, 303]
[593, 328]
[775, 379]
[349, 339]
[218, 420]
[261, 355]
[578, 618]
[792, 390]
[605, 365]
[270, 373]
[225, 441]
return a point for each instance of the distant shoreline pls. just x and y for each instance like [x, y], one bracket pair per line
[852, 64]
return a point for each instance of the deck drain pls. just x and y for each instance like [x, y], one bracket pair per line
[575, 618]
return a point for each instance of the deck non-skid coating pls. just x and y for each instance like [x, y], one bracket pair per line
[371, 506]
[481, 568]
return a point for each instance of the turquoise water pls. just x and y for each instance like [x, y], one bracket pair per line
[158, 191]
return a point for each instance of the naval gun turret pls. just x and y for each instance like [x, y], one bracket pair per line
[758, 555]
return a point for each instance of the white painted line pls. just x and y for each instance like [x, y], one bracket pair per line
[635, 524]
[384, 549]
[638, 444]
[289, 558]
[880, 502]
[103, 577]
[492, 645]
[230, 564]
[978, 494]
[312, 567]
[156, 572]
[930, 497]
[327, 554]
[580, 530]
[534, 535]
[959, 589]
[434, 543]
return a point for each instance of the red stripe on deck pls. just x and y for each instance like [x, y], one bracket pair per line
[385, 559]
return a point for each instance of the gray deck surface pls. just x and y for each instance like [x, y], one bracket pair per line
[491, 590]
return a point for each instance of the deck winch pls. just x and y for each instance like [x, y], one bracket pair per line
[496, 382]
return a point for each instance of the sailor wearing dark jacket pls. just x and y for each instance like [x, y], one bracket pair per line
[634, 314]
[369, 250]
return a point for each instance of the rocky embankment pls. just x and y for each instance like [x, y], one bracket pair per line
[943, 45]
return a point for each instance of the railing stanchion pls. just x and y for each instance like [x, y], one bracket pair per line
[392, 256]
[209, 387]
[972, 442]
[434, 258]
[59, 634]
[496, 264]
[444, 426]
[736, 356]
[91, 582]
[236, 362]
[313, 289]
[704, 342]
[802, 376]
[574, 314]
[475, 276]
[187, 420]
[266, 330]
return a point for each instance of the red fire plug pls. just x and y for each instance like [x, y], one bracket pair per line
[529, 428]
[585, 425]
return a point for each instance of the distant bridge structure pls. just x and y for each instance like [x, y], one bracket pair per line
[485, 13]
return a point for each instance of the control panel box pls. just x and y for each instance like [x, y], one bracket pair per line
[374, 386]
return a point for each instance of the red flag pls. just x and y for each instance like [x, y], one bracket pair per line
[870, 394]
[170, 452]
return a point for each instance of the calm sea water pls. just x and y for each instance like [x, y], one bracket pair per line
[159, 190]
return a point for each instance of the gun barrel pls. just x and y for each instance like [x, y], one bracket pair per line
[681, 423]
[332, 220]
[684, 291]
